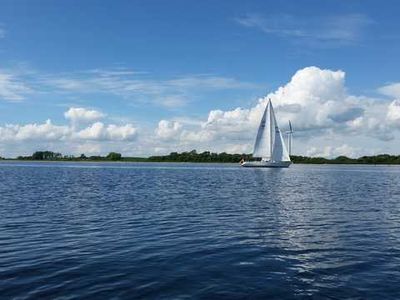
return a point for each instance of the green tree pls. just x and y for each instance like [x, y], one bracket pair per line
[114, 156]
[46, 155]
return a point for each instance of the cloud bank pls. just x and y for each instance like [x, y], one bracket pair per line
[75, 137]
[327, 119]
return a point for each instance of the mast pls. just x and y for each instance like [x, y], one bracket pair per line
[288, 140]
[290, 133]
[271, 130]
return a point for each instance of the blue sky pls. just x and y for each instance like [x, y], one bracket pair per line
[141, 62]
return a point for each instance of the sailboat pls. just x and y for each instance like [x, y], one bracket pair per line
[269, 145]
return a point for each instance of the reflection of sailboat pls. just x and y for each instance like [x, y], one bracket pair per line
[269, 145]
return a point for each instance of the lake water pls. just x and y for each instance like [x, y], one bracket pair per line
[179, 231]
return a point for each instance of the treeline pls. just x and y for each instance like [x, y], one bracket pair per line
[210, 157]
[223, 157]
[374, 159]
[205, 157]
[51, 156]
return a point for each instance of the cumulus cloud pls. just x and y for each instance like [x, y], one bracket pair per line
[79, 114]
[49, 131]
[327, 120]
[168, 129]
[393, 113]
[314, 99]
[317, 103]
[99, 131]
[69, 137]
[45, 131]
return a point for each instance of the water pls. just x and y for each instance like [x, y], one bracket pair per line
[176, 231]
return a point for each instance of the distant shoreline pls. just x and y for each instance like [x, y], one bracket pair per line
[203, 157]
[177, 162]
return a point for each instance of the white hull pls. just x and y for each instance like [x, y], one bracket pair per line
[266, 164]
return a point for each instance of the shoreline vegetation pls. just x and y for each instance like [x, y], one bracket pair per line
[204, 157]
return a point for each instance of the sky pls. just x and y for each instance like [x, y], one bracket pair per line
[152, 77]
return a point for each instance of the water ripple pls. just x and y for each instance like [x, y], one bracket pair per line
[123, 231]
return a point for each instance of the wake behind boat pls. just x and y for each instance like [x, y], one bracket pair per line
[269, 145]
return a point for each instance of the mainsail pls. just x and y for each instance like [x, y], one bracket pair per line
[270, 145]
[262, 147]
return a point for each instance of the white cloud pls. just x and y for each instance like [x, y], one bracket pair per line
[393, 113]
[125, 83]
[334, 151]
[391, 90]
[200, 136]
[310, 100]
[126, 132]
[209, 82]
[133, 87]
[315, 100]
[45, 131]
[49, 131]
[331, 30]
[95, 131]
[11, 88]
[325, 118]
[170, 93]
[101, 132]
[173, 101]
[87, 148]
[168, 129]
[79, 114]
[20, 139]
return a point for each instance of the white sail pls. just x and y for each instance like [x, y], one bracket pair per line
[262, 146]
[269, 144]
[279, 151]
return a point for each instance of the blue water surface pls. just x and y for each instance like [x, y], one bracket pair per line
[198, 231]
